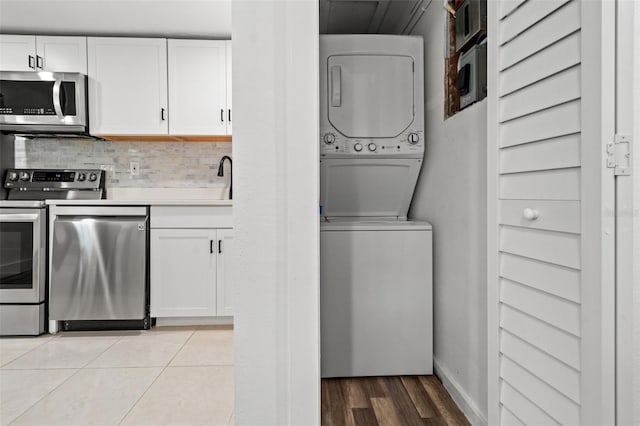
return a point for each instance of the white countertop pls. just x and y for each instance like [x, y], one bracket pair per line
[156, 196]
[154, 202]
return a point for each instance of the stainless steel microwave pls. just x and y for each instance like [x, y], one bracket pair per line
[43, 102]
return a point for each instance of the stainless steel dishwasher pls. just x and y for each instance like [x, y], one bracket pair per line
[99, 267]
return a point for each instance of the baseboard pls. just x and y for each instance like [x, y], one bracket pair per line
[459, 396]
[177, 321]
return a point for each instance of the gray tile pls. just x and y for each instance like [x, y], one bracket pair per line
[92, 396]
[186, 396]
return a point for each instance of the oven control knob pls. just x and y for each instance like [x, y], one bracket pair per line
[372, 146]
[93, 177]
[357, 147]
[24, 176]
[329, 138]
[82, 177]
[413, 138]
[12, 176]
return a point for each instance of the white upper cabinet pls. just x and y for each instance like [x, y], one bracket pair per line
[127, 86]
[229, 92]
[61, 54]
[17, 53]
[197, 87]
[43, 53]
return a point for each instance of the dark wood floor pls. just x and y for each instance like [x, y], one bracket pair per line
[405, 400]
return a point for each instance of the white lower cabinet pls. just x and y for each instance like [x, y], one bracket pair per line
[190, 249]
[225, 280]
[184, 265]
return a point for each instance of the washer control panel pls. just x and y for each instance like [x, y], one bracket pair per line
[333, 143]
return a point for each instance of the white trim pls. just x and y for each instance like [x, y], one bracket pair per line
[459, 396]
[275, 207]
[598, 223]
[193, 321]
[627, 226]
[493, 220]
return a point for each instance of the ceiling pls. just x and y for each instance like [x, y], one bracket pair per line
[370, 16]
[191, 18]
[152, 18]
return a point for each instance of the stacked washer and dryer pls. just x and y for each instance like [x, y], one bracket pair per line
[376, 265]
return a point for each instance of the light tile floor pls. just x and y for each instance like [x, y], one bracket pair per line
[164, 376]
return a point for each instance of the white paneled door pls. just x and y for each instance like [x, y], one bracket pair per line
[551, 282]
[127, 86]
[197, 87]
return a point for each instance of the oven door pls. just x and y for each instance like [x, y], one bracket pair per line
[22, 255]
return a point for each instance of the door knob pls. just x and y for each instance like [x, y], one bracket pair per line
[530, 214]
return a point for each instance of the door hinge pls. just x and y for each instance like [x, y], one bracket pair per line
[619, 155]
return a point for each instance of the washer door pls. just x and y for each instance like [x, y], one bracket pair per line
[367, 187]
[370, 96]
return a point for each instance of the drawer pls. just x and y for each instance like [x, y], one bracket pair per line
[563, 216]
[191, 217]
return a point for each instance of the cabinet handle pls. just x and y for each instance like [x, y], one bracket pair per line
[222, 116]
[31, 64]
[229, 115]
[162, 114]
[211, 246]
[219, 246]
[39, 62]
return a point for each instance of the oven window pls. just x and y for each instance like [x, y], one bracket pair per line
[16, 255]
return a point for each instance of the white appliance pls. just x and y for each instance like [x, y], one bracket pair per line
[376, 272]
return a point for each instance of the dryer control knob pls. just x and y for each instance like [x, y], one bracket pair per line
[82, 177]
[93, 177]
[413, 138]
[25, 176]
[357, 147]
[329, 138]
[372, 146]
[12, 176]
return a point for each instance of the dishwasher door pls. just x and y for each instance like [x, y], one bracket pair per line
[99, 267]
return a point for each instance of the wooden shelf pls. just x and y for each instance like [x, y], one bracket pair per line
[165, 138]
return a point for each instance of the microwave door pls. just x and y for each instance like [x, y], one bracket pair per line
[43, 102]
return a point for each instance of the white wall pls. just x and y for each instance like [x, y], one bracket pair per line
[152, 18]
[451, 194]
[636, 225]
[276, 159]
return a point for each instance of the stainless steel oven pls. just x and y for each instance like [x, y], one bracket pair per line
[22, 268]
[23, 240]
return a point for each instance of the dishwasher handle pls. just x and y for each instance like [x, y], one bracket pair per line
[98, 211]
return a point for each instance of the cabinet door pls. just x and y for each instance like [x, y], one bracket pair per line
[229, 92]
[183, 272]
[127, 86]
[62, 54]
[197, 93]
[17, 53]
[225, 279]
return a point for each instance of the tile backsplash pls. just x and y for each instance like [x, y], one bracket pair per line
[162, 164]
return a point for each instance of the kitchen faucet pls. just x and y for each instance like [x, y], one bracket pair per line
[221, 173]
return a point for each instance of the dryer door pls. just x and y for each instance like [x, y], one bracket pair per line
[367, 187]
[370, 96]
